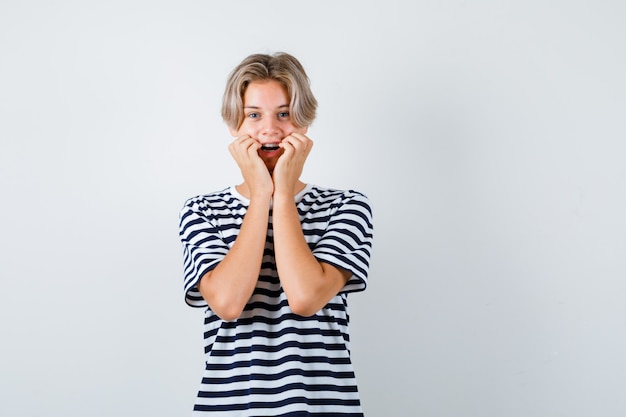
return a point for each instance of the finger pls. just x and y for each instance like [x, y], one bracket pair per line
[302, 138]
[301, 145]
[253, 149]
[244, 147]
[288, 146]
[243, 143]
[301, 141]
[238, 141]
[292, 141]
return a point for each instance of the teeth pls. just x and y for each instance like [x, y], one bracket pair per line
[270, 147]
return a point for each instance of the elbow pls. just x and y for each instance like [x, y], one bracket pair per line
[303, 307]
[226, 308]
[228, 315]
[227, 311]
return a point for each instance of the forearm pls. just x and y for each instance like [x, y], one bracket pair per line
[308, 284]
[229, 286]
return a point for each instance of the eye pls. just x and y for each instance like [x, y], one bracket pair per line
[283, 115]
[253, 115]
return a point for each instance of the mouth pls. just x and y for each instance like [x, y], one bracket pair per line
[269, 147]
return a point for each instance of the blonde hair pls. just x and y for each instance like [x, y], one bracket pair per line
[281, 67]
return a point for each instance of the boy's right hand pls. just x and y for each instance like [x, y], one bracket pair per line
[244, 151]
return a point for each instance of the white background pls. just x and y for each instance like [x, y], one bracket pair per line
[489, 135]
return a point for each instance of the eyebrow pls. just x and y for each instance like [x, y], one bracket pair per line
[256, 107]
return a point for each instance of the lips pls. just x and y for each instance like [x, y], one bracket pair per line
[268, 147]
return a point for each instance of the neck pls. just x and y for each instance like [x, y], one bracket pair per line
[244, 190]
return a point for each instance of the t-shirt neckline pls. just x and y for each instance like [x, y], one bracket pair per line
[296, 198]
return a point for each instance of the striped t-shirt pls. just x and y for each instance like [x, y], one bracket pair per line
[270, 361]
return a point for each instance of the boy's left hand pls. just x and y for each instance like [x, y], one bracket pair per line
[290, 164]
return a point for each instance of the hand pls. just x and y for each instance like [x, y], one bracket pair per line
[244, 150]
[290, 164]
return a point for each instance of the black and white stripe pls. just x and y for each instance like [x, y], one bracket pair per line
[271, 361]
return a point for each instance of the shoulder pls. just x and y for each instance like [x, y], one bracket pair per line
[210, 198]
[336, 197]
[219, 198]
[214, 203]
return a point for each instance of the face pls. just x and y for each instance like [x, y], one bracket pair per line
[266, 118]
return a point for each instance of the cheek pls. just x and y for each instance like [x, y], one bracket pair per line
[243, 130]
[293, 129]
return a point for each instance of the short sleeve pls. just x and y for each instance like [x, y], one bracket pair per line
[203, 249]
[347, 241]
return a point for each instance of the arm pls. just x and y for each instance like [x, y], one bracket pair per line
[229, 286]
[308, 283]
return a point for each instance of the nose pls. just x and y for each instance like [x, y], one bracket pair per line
[269, 127]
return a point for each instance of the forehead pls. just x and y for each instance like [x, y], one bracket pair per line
[266, 93]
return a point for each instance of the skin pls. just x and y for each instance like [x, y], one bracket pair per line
[270, 178]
